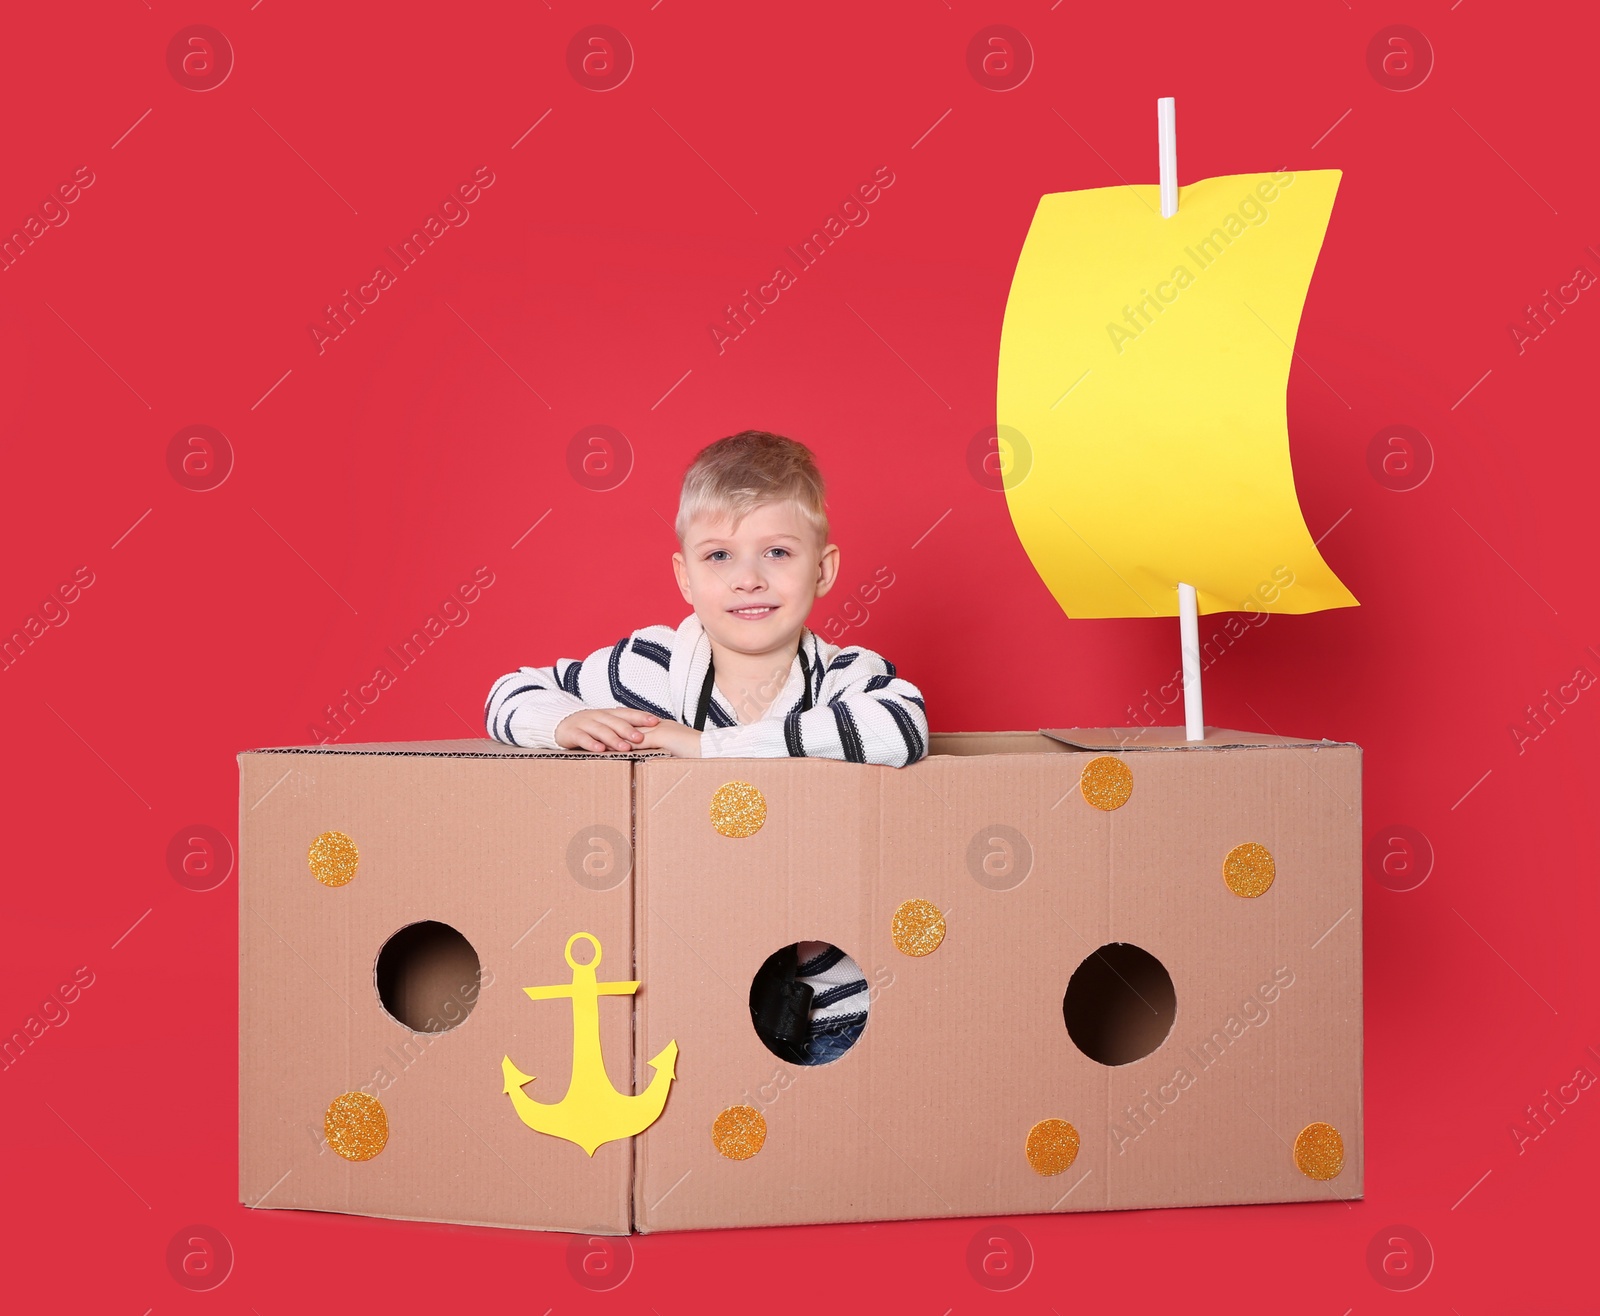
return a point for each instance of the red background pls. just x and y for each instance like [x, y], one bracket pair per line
[376, 476]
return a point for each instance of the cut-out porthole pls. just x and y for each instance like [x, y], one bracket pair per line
[1120, 1004]
[808, 1003]
[427, 976]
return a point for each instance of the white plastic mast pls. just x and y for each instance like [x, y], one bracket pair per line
[1188, 602]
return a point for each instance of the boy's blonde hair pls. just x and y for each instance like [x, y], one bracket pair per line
[735, 475]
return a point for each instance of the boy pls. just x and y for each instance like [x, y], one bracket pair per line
[741, 677]
[753, 558]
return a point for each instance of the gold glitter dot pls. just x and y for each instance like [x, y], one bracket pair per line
[1249, 869]
[356, 1126]
[1319, 1151]
[739, 1132]
[1106, 782]
[1052, 1146]
[333, 858]
[738, 809]
[918, 927]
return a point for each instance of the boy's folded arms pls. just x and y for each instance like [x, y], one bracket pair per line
[623, 696]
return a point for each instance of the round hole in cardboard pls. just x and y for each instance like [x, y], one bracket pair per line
[809, 1003]
[1120, 1004]
[427, 977]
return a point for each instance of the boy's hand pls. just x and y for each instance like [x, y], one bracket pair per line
[602, 729]
[677, 739]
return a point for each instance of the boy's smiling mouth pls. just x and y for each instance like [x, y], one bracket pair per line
[755, 612]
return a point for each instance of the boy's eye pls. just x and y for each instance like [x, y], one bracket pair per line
[719, 554]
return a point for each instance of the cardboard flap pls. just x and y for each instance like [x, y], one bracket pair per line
[1170, 738]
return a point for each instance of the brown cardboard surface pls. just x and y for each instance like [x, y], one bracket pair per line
[965, 1049]
[966, 743]
[480, 845]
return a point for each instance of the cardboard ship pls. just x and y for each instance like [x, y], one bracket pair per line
[1106, 969]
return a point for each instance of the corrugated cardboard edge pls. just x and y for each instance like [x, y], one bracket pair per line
[466, 748]
[640, 1083]
[597, 1232]
[239, 999]
[1360, 987]
[1172, 738]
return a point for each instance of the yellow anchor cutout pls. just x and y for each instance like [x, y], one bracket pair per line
[593, 1112]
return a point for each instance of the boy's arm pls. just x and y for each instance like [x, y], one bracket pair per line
[867, 715]
[525, 706]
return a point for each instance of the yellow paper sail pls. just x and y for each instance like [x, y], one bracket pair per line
[1144, 364]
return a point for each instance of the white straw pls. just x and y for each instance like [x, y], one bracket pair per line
[1194, 722]
[1167, 128]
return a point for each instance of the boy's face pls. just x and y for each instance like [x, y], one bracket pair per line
[753, 587]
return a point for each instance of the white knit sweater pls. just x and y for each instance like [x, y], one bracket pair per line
[861, 710]
[839, 991]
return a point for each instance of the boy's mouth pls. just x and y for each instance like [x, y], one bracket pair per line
[755, 613]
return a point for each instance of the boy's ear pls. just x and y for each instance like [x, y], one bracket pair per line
[827, 569]
[681, 571]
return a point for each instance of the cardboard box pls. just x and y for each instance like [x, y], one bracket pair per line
[1229, 1042]
[474, 836]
